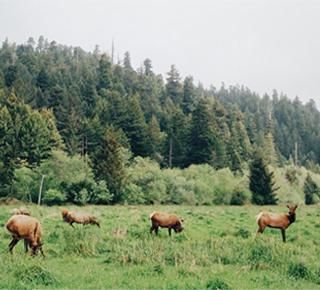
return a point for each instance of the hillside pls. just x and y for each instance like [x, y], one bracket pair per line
[84, 104]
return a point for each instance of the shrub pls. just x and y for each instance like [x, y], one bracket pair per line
[133, 194]
[100, 193]
[238, 197]
[216, 284]
[81, 197]
[35, 274]
[310, 189]
[298, 270]
[291, 175]
[53, 197]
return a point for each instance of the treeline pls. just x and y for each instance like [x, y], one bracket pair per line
[56, 98]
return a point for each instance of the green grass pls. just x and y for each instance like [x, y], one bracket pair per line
[217, 250]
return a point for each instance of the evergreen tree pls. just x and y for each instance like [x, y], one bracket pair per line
[189, 95]
[173, 86]
[147, 67]
[155, 140]
[203, 141]
[111, 163]
[7, 164]
[135, 127]
[261, 182]
[176, 146]
[104, 73]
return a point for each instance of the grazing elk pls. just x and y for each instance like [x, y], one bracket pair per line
[24, 211]
[27, 228]
[279, 221]
[21, 210]
[71, 217]
[165, 220]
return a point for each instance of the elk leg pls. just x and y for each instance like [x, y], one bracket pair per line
[12, 244]
[26, 243]
[259, 231]
[152, 229]
[156, 230]
[41, 251]
[283, 232]
[169, 229]
[71, 224]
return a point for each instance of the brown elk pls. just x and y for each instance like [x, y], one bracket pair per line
[21, 210]
[24, 211]
[27, 228]
[165, 220]
[71, 217]
[278, 221]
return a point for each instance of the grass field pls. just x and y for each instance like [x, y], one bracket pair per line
[217, 250]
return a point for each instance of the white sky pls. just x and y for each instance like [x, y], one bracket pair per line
[263, 44]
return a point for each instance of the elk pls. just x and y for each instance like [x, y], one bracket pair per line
[278, 221]
[27, 228]
[165, 220]
[21, 210]
[71, 217]
[24, 211]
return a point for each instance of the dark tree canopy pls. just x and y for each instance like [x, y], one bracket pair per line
[57, 96]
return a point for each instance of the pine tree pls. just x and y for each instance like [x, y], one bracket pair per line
[176, 146]
[203, 139]
[155, 139]
[173, 86]
[7, 164]
[104, 73]
[135, 127]
[189, 95]
[111, 163]
[261, 182]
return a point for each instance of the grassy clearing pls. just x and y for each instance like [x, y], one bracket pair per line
[217, 250]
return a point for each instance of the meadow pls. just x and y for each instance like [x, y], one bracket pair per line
[217, 250]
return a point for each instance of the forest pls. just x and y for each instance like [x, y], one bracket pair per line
[88, 128]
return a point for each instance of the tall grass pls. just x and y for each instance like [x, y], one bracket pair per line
[217, 250]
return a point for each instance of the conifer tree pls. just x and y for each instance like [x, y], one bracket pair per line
[203, 138]
[104, 73]
[135, 127]
[261, 182]
[173, 86]
[111, 163]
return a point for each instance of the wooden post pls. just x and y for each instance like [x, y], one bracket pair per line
[170, 153]
[40, 190]
[296, 153]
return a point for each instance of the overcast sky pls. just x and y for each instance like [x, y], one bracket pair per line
[262, 44]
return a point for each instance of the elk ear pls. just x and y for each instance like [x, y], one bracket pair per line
[182, 220]
[288, 206]
[296, 206]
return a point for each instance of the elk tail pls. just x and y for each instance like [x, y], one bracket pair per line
[259, 216]
[152, 214]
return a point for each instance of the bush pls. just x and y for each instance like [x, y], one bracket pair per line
[291, 175]
[310, 189]
[82, 197]
[216, 284]
[53, 197]
[35, 274]
[100, 193]
[133, 194]
[238, 197]
[298, 270]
